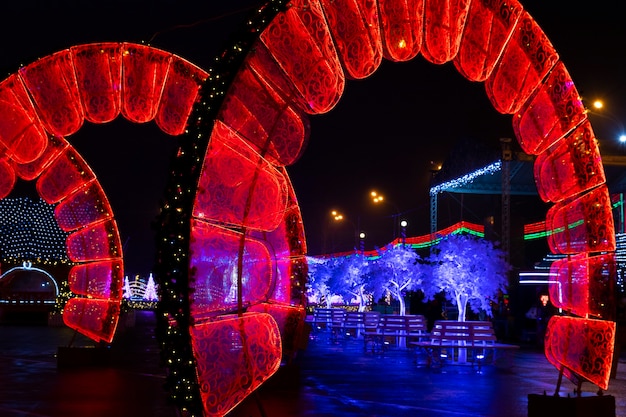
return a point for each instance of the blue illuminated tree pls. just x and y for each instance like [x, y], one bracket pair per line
[349, 278]
[320, 271]
[469, 270]
[396, 271]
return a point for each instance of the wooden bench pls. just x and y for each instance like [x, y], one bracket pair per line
[396, 329]
[325, 318]
[469, 342]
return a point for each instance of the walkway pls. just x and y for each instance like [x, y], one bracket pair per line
[326, 380]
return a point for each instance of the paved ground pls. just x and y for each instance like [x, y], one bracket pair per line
[327, 379]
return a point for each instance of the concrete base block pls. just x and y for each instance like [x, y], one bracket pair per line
[584, 406]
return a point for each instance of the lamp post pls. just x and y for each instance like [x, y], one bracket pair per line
[339, 217]
[600, 111]
[378, 198]
[403, 225]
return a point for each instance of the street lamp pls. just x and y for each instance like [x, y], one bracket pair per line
[600, 111]
[378, 198]
[403, 225]
[338, 217]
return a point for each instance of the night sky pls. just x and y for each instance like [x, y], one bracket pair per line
[382, 135]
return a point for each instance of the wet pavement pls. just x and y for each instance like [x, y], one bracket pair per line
[326, 379]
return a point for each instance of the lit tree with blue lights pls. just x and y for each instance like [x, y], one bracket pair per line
[349, 278]
[320, 271]
[396, 271]
[469, 270]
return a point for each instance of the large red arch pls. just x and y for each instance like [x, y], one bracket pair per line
[232, 256]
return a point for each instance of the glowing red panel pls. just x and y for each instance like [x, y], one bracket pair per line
[21, 132]
[444, 21]
[583, 346]
[234, 356]
[288, 248]
[526, 60]
[290, 320]
[97, 242]
[98, 72]
[297, 56]
[402, 24]
[214, 255]
[179, 95]
[584, 224]
[277, 131]
[87, 205]
[488, 28]
[553, 111]
[584, 285]
[51, 83]
[98, 279]
[237, 186]
[96, 319]
[7, 178]
[64, 176]
[55, 147]
[144, 70]
[572, 166]
[354, 26]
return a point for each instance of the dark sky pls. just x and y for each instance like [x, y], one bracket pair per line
[382, 135]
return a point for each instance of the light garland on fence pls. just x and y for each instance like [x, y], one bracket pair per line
[467, 178]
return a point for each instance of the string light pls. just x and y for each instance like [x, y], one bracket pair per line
[467, 178]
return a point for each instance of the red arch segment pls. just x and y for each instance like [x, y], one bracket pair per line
[444, 21]
[7, 178]
[488, 28]
[550, 114]
[402, 28]
[583, 348]
[570, 167]
[526, 60]
[228, 375]
[316, 81]
[354, 26]
[584, 285]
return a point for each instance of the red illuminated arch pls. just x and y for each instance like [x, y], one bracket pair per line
[301, 61]
[49, 100]
[232, 233]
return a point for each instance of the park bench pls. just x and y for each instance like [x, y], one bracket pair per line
[326, 318]
[468, 342]
[394, 329]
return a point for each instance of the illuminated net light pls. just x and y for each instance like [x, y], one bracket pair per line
[355, 29]
[487, 30]
[234, 356]
[29, 231]
[315, 80]
[444, 22]
[551, 113]
[584, 285]
[584, 224]
[570, 167]
[402, 23]
[526, 60]
[583, 348]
